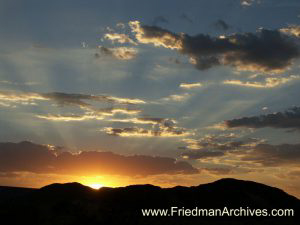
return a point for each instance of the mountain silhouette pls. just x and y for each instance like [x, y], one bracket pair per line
[73, 203]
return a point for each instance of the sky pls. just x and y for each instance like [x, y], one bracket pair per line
[167, 92]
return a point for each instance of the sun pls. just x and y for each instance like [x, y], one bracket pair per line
[95, 186]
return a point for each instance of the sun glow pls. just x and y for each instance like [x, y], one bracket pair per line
[95, 186]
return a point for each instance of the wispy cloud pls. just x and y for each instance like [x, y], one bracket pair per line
[190, 85]
[217, 146]
[161, 127]
[147, 120]
[70, 117]
[64, 98]
[270, 82]
[176, 97]
[249, 2]
[122, 53]
[121, 38]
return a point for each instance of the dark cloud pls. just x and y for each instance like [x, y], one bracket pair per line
[223, 143]
[200, 154]
[274, 155]
[217, 146]
[265, 50]
[286, 119]
[221, 25]
[25, 156]
[76, 99]
[161, 127]
[30, 157]
[63, 99]
[159, 19]
[227, 169]
[252, 151]
[155, 35]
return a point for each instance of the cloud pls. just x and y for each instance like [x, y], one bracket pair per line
[274, 155]
[84, 101]
[63, 99]
[202, 154]
[148, 120]
[161, 127]
[162, 131]
[221, 142]
[241, 154]
[294, 173]
[122, 53]
[177, 98]
[190, 85]
[249, 2]
[221, 25]
[70, 117]
[25, 156]
[8, 97]
[217, 145]
[121, 38]
[292, 30]
[8, 175]
[126, 100]
[91, 114]
[248, 154]
[120, 25]
[5, 104]
[270, 82]
[29, 157]
[155, 35]
[219, 171]
[264, 51]
[112, 111]
[286, 119]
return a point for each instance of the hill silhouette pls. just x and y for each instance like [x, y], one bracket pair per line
[73, 203]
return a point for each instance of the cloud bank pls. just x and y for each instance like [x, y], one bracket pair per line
[30, 157]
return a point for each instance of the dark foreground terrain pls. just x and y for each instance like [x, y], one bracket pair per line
[73, 203]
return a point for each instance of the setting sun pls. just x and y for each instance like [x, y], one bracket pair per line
[95, 186]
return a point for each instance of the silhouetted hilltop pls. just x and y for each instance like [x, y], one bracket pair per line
[73, 203]
[13, 192]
